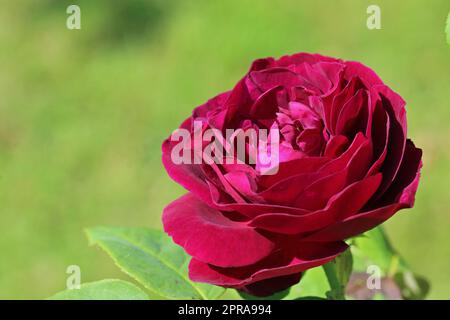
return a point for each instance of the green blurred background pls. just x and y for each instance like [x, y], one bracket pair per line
[83, 114]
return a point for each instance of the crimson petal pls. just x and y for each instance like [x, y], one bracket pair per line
[307, 255]
[206, 234]
[342, 205]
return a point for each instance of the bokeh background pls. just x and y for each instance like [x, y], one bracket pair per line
[83, 114]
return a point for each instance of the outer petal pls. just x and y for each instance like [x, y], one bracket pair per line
[190, 176]
[355, 224]
[380, 129]
[203, 111]
[322, 77]
[269, 78]
[268, 287]
[235, 107]
[344, 204]
[360, 223]
[404, 186]
[395, 107]
[365, 73]
[307, 255]
[304, 57]
[206, 234]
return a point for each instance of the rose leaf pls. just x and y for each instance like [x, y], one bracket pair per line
[152, 259]
[373, 254]
[338, 274]
[109, 289]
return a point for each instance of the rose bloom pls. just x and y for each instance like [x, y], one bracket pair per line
[346, 166]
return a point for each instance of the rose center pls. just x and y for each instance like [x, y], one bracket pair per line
[301, 128]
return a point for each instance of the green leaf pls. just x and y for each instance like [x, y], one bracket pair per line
[344, 266]
[314, 283]
[338, 274]
[150, 257]
[447, 28]
[108, 289]
[374, 248]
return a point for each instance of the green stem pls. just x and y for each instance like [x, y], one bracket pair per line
[337, 290]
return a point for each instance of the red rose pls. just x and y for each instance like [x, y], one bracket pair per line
[345, 166]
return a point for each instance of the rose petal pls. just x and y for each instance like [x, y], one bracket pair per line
[395, 107]
[351, 117]
[308, 255]
[316, 195]
[354, 68]
[304, 57]
[250, 210]
[299, 166]
[408, 175]
[380, 130]
[336, 146]
[355, 225]
[338, 102]
[270, 286]
[362, 222]
[190, 176]
[209, 236]
[340, 206]
[274, 77]
[266, 106]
